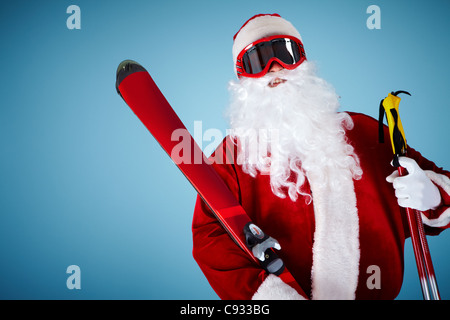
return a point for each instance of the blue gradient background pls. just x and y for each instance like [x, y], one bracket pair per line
[83, 182]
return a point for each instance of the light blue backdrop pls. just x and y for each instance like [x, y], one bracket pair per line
[82, 181]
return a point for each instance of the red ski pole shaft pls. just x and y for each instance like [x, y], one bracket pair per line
[427, 257]
[421, 251]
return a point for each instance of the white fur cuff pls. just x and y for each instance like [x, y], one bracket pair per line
[273, 288]
[443, 182]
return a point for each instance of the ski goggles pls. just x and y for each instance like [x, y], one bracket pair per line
[255, 60]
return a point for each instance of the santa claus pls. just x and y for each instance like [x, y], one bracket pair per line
[318, 185]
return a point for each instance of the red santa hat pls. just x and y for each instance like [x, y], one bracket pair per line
[261, 26]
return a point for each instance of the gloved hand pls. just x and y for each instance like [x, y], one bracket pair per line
[414, 190]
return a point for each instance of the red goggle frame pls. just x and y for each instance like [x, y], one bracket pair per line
[255, 59]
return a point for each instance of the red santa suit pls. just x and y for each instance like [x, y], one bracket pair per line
[332, 245]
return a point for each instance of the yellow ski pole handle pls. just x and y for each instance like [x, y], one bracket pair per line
[389, 106]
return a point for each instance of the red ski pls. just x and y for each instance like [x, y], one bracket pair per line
[135, 85]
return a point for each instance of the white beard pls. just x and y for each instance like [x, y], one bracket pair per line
[292, 131]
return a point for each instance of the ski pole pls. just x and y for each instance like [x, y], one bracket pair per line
[422, 255]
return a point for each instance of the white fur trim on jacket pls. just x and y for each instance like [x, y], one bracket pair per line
[336, 253]
[273, 288]
[443, 182]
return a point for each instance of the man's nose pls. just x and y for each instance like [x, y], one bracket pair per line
[275, 67]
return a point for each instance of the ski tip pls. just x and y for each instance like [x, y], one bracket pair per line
[126, 68]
